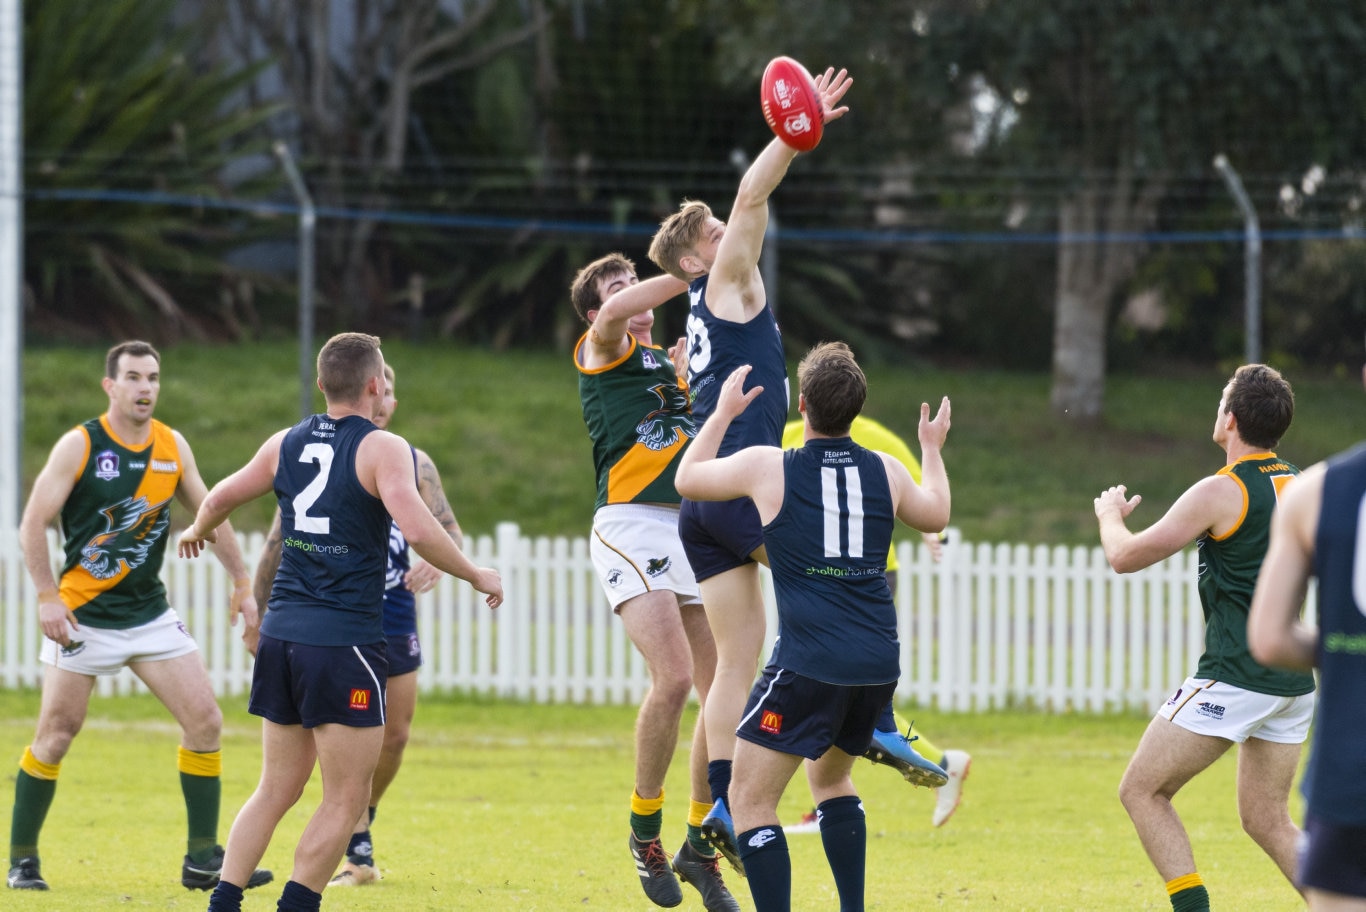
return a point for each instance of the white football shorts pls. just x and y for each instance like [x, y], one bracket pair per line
[636, 549]
[1220, 710]
[102, 651]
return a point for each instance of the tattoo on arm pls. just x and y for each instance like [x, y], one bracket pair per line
[434, 496]
[268, 563]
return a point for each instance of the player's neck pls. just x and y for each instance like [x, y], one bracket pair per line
[364, 407]
[1237, 449]
[134, 433]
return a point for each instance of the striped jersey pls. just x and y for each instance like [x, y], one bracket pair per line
[335, 536]
[1333, 780]
[1228, 574]
[874, 436]
[717, 347]
[115, 525]
[400, 604]
[636, 410]
[827, 548]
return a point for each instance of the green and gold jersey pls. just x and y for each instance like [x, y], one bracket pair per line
[115, 523]
[638, 417]
[1228, 574]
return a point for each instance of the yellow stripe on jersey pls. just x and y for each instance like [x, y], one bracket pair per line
[638, 469]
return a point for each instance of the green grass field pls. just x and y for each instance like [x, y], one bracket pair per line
[515, 808]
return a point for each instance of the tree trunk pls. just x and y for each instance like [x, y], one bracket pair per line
[1078, 391]
[1091, 268]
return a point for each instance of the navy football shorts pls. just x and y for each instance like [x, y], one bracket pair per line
[794, 714]
[296, 684]
[405, 653]
[1332, 858]
[719, 535]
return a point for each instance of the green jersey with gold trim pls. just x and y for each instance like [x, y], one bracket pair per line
[115, 523]
[1228, 574]
[637, 413]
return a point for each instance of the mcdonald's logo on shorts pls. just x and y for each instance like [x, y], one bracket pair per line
[360, 699]
[771, 722]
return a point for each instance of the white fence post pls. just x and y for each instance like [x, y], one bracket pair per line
[988, 627]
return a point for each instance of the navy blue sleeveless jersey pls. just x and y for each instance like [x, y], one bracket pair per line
[716, 348]
[330, 586]
[1333, 780]
[828, 548]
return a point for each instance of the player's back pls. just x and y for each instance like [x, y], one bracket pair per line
[330, 585]
[827, 548]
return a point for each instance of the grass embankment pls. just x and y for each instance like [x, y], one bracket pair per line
[506, 432]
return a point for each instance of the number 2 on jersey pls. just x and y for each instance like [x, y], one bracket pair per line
[321, 455]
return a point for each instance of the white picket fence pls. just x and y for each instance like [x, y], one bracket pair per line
[989, 627]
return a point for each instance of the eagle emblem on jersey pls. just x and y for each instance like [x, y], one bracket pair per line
[133, 526]
[669, 423]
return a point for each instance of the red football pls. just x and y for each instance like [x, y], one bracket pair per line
[792, 106]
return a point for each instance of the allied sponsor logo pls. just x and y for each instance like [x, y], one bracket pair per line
[360, 699]
[1213, 710]
[657, 565]
[168, 466]
[614, 578]
[1176, 696]
[771, 722]
[314, 547]
[762, 838]
[107, 465]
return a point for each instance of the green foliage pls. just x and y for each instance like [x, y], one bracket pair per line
[107, 111]
[512, 807]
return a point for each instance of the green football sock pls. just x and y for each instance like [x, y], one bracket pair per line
[647, 816]
[32, 798]
[202, 786]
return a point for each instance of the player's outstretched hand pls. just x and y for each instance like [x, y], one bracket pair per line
[934, 433]
[1114, 498]
[734, 398]
[490, 583]
[192, 543]
[831, 86]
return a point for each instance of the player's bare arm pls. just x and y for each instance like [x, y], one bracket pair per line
[50, 490]
[754, 472]
[383, 468]
[422, 576]
[1212, 504]
[925, 506]
[269, 561]
[735, 291]
[191, 493]
[626, 300]
[1276, 635]
[253, 480]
